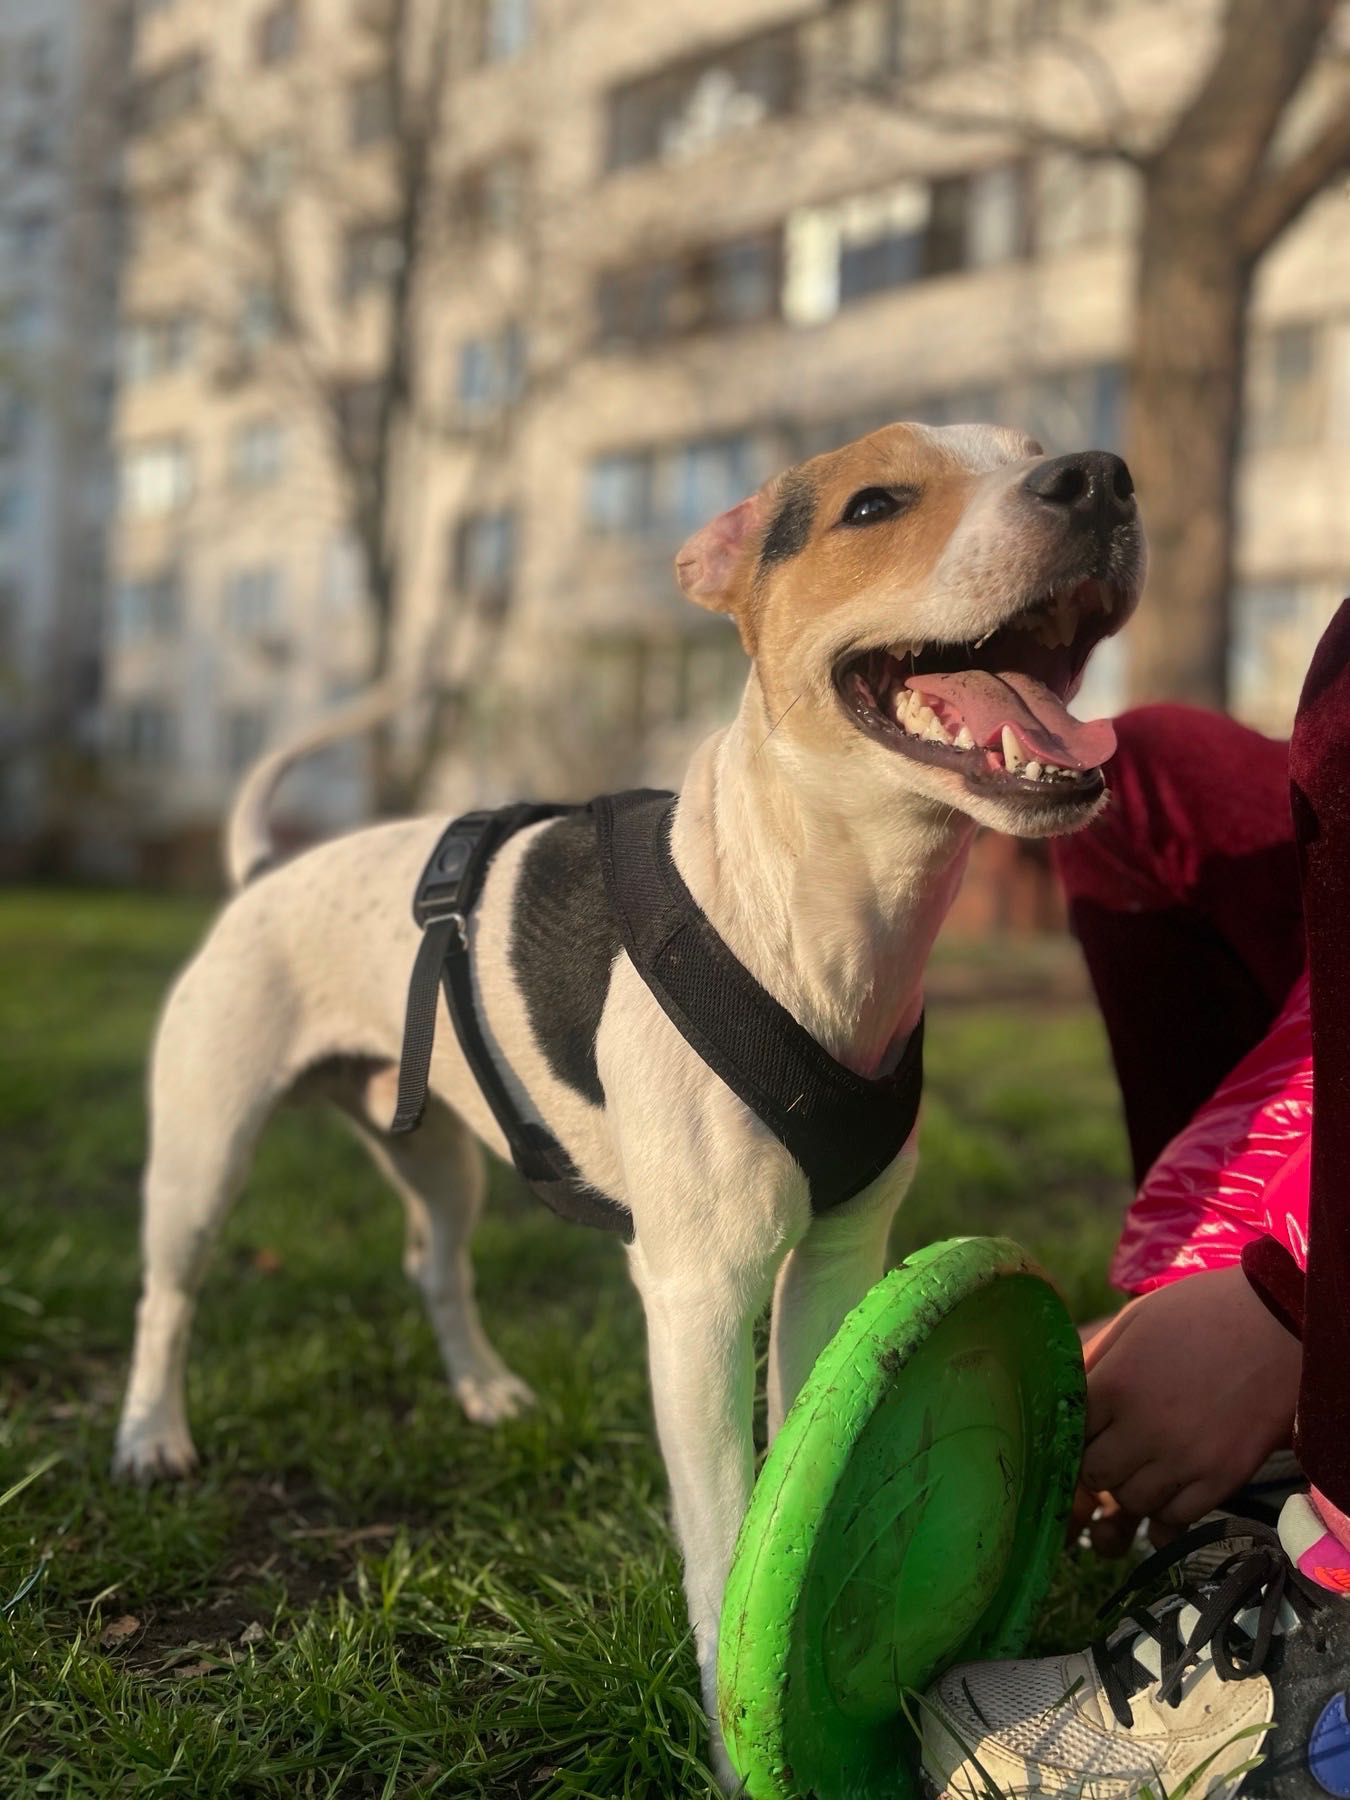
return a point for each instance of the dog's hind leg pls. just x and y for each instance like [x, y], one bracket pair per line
[439, 1174]
[209, 1099]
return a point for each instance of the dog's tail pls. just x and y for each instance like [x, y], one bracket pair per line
[248, 840]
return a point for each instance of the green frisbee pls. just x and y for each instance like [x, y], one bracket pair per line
[908, 1516]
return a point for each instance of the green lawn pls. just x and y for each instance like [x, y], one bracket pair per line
[362, 1594]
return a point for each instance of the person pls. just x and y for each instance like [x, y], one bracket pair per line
[1212, 903]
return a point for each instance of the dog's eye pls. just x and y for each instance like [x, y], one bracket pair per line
[870, 505]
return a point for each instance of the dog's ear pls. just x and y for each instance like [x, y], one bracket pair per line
[710, 562]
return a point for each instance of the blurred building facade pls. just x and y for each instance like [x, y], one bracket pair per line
[681, 247]
[59, 222]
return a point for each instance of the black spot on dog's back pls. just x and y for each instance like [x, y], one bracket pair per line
[563, 945]
[791, 524]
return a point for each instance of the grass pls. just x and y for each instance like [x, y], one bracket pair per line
[362, 1594]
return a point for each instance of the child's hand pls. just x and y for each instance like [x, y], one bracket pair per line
[1189, 1390]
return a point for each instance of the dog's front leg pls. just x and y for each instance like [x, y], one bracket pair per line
[822, 1279]
[701, 1351]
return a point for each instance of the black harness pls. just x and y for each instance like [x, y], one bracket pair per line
[842, 1128]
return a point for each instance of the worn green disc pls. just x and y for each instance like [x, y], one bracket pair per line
[908, 1515]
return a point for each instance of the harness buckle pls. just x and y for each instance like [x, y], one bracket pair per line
[444, 911]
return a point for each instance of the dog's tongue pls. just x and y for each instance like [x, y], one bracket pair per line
[1042, 724]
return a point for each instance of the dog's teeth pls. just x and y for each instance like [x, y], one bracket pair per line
[900, 705]
[1012, 754]
[1033, 771]
[936, 732]
[964, 740]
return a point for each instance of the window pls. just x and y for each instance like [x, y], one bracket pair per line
[734, 283]
[1073, 409]
[266, 178]
[252, 599]
[636, 306]
[619, 494]
[156, 477]
[491, 372]
[996, 216]
[358, 407]
[147, 733]
[13, 421]
[506, 28]
[880, 241]
[29, 236]
[243, 733]
[1276, 625]
[1286, 407]
[977, 220]
[683, 109]
[370, 110]
[279, 33]
[38, 62]
[929, 37]
[147, 606]
[1081, 201]
[259, 321]
[869, 243]
[961, 406]
[743, 280]
[664, 493]
[22, 321]
[495, 196]
[11, 615]
[485, 556]
[833, 254]
[256, 453]
[372, 257]
[643, 683]
[171, 92]
[157, 346]
[709, 477]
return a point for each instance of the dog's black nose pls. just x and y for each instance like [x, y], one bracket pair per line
[1091, 486]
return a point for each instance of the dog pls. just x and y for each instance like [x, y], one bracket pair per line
[917, 607]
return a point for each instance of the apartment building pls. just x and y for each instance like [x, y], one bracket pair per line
[681, 248]
[59, 81]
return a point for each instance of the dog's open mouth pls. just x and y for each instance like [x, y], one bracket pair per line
[995, 710]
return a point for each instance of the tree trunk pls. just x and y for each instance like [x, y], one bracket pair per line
[1185, 406]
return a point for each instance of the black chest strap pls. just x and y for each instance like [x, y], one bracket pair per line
[842, 1128]
[444, 901]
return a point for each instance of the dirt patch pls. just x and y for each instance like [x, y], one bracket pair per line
[290, 1547]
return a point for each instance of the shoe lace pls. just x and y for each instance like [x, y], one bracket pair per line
[1258, 1575]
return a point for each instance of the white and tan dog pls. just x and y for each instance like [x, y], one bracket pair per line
[917, 606]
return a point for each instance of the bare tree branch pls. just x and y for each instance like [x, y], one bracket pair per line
[1287, 190]
[1030, 134]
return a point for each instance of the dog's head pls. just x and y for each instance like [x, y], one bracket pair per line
[923, 603]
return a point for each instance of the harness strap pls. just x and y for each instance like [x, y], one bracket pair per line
[842, 1128]
[442, 906]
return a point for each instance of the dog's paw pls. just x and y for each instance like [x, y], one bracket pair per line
[145, 1457]
[728, 1781]
[489, 1398]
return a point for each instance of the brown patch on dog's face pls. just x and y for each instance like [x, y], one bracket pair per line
[873, 517]
[925, 542]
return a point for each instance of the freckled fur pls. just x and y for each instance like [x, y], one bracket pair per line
[826, 863]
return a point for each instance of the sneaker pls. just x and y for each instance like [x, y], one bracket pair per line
[1233, 1683]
